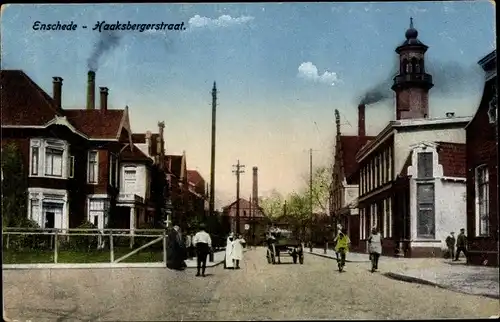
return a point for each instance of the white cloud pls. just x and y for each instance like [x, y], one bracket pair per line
[309, 71]
[223, 21]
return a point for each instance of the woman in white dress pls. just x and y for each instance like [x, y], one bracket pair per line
[238, 251]
[228, 260]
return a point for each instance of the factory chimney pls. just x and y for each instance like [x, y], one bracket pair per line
[361, 120]
[255, 189]
[91, 90]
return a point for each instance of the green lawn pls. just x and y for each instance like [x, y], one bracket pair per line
[71, 256]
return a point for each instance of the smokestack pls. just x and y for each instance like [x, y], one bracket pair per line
[57, 90]
[104, 98]
[90, 90]
[361, 120]
[148, 141]
[255, 189]
[161, 127]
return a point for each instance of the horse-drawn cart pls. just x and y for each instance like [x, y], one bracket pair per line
[282, 241]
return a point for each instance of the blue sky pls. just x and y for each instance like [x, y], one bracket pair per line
[269, 112]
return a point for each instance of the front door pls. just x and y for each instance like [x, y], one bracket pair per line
[49, 219]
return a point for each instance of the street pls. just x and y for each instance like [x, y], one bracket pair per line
[259, 291]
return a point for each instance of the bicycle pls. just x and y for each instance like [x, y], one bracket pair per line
[341, 260]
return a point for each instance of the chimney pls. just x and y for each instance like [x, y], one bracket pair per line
[161, 127]
[361, 120]
[104, 98]
[255, 188]
[57, 90]
[91, 90]
[148, 141]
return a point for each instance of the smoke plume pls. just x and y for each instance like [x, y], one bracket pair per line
[449, 78]
[108, 40]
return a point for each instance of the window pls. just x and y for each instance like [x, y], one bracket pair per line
[425, 210]
[377, 167]
[34, 209]
[53, 162]
[389, 165]
[373, 173]
[129, 179]
[34, 160]
[389, 220]
[92, 170]
[113, 171]
[425, 165]
[482, 200]
[71, 161]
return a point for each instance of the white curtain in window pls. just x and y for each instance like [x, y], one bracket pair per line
[483, 199]
[53, 162]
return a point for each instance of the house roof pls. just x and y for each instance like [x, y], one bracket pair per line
[194, 177]
[23, 101]
[175, 164]
[140, 138]
[244, 204]
[97, 124]
[452, 157]
[350, 145]
[133, 153]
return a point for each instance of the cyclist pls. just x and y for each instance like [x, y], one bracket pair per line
[341, 247]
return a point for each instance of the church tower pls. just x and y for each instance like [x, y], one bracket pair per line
[412, 83]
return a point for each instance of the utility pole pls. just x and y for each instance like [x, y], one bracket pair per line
[212, 156]
[239, 170]
[310, 196]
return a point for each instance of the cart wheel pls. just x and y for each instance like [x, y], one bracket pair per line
[301, 258]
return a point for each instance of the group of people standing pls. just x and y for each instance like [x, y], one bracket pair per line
[180, 249]
[461, 244]
[234, 251]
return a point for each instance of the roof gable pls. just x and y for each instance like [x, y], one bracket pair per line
[349, 147]
[97, 124]
[194, 177]
[23, 101]
[133, 153]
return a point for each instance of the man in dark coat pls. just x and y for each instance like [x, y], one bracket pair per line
[175, 250]
[461, 244]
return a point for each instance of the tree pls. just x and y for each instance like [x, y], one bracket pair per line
[321, 184]
[272, 205]
[14, 188]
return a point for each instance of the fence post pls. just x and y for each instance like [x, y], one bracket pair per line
[8, 240]
[111, 247]
[165, 248]
[55, 247]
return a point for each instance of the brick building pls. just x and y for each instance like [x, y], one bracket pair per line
[482, 175]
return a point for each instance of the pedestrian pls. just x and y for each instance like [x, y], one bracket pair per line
[238, 251]
[375, 248]
[228, 258]
[202, 242]
[342, 242]
[450, 243]
[175, 250]
[461, 244]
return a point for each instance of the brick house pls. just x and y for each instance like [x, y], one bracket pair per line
[74, 158]
[482, 175]
[198, 193]
[255, 219]
[406, 173]
[345, 181]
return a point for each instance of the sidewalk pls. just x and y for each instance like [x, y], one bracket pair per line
[218, 259]
[458, 277]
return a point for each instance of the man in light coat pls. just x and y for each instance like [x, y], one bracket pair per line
[375, 248]
[228, 260]
[238, 251]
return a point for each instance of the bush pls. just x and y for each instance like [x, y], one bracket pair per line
[28, 241]
[82, 243]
